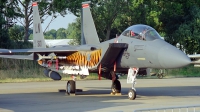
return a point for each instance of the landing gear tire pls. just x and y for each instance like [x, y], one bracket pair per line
[116, 87]
[71, 87]
[160, 76]
[131, 94]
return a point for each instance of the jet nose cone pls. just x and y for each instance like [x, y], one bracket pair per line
[170, 57]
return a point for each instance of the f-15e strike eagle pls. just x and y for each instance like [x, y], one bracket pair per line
[139, 46]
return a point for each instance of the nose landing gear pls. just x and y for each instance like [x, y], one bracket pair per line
[131, 94]
[131, 78]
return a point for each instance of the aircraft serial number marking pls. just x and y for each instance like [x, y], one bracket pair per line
[139, 47]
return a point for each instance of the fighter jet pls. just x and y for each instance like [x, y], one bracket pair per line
[139, 46]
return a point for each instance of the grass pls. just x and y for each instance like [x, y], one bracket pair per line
[188, 71]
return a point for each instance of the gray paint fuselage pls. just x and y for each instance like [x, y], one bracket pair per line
[147, 54]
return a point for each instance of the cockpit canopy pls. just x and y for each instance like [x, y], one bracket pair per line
[142, 32]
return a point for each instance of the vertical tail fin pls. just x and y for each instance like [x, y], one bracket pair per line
[38, 37]
[88, 29]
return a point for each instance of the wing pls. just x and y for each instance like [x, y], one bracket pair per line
[58, 50]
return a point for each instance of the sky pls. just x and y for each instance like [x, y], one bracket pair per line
[59, 22]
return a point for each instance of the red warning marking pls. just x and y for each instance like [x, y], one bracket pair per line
[34, 4]
[85, 5]
[115, 66]
[135, 69]
[57, 66]
[132, 33]
[49, 63]
[99, 72]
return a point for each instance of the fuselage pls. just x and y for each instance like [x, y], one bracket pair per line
[145, 49]
[149, 54]
[148, 51]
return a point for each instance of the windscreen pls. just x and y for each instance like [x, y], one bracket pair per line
[152, 35]
[142, 32]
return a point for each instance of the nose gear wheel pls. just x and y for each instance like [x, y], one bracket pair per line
[131, 94]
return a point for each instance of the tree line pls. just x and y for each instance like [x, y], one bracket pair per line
[16, 33]
[178, 21]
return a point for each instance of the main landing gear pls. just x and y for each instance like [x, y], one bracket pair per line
[71, 86]
[116, 87]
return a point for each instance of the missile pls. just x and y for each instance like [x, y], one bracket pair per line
[40, 57]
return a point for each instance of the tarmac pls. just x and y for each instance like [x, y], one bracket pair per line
[96, 97]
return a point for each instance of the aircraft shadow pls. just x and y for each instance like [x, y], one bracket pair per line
[146, 91]
[87, 100]
[59, 102]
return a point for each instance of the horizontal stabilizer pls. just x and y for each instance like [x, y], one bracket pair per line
[195, 60]
[194, 56]
[112, 53]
